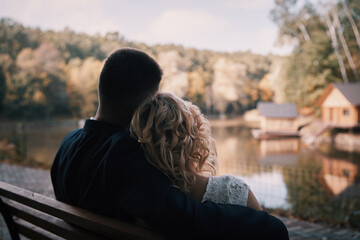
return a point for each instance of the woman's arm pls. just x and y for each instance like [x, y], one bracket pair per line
[252, 202]
[199, 188]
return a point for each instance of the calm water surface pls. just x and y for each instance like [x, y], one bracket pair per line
[312, 183]
[320, 183]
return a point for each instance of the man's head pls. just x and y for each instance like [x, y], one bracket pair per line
[128, 77]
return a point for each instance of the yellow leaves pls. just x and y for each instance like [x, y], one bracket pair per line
[45, 59]
[25, 60]
[5, 61]
[196, 83]
[39, 97]
[266, 90]
[82, 77]
[46, 81]
[84, 74]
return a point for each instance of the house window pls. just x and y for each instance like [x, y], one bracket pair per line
[346, 112]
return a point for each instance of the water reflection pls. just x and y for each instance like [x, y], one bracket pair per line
[317, 184]
[279, 151]
[241, 155]
[339, 176]
[269, 188]
[37, 143]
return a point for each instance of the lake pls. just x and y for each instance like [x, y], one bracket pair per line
[320, 184]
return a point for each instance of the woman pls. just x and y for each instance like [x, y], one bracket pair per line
[176, 139]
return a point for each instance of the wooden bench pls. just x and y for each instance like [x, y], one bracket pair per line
[38, 217]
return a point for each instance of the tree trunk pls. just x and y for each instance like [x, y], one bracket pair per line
[344, 44]
[304, 32]
[335, 46]
[352, 22]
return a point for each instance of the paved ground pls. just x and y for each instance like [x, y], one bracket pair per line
[38, 180]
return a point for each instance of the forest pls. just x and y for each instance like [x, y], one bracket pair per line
[47, 74]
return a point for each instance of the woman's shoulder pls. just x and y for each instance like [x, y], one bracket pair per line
[227, 189]
[227, 179]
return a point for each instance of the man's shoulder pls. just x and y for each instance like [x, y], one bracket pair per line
[73, 133]
[71, 137]
[117, 141]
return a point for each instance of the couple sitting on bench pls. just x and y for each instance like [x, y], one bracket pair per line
[147, 157]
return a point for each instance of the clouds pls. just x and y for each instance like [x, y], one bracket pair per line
[264, 41]
[247, 4]
[80, 15]
[186, 26]
[201, 29]
[220, 25]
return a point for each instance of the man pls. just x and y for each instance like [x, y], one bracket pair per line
[102, 168]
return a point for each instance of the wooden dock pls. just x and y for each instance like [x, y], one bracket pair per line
[260, 134]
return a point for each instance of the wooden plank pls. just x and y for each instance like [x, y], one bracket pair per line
[30, 231]
[9, 221]
[49, 223]
[105, 226]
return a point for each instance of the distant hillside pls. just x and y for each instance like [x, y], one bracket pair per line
[48, 74]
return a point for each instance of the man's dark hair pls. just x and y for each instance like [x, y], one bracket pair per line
[128, 77]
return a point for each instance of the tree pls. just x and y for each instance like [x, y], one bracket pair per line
[266, 91]
[229, 78]
[37, 88]
[352, 22]
[52, 74]
[12, 37]
[323, 47]
[175, 77]
[343, 42]
[2, 90]
[197, 86]
[82, 85]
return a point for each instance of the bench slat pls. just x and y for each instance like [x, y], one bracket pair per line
[49, 223]
[108, 227]
[9, 221]
[30, 231]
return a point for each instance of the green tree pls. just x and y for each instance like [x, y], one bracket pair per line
[317, 58]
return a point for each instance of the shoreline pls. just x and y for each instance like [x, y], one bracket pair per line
[317, 133]
[229, 122]
[233, 122]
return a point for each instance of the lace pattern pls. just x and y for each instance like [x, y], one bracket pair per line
[226, 189]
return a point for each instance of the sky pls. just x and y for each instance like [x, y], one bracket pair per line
[219, 25]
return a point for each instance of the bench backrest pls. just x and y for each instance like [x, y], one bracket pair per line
[38, 217]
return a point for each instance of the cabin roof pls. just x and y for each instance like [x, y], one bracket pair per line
[274, 110]
[351, 92]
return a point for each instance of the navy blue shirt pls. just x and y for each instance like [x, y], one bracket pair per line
[103, 169]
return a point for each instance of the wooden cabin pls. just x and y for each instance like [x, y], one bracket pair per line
[340, 104]
[278, 118]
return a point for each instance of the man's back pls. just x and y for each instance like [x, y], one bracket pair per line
[103, 169]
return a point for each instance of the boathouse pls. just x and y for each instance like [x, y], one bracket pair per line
[278, 118]
[340, 105]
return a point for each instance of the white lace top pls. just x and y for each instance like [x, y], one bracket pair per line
[226, 189]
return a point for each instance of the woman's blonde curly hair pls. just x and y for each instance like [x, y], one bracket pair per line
[176, 138]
